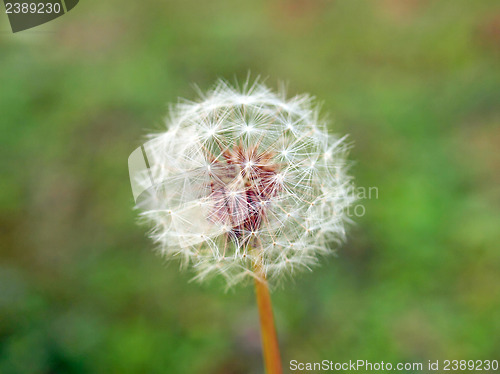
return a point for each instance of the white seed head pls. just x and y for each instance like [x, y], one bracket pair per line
[246, 182]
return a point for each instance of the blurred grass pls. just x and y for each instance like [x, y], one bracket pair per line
[415, 83]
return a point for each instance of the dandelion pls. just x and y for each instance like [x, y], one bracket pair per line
[245, 183]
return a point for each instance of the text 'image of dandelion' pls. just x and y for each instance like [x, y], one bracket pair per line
[244, 183]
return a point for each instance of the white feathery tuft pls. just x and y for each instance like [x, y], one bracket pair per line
[248, 183]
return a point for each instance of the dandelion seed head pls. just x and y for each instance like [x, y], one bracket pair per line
[246, 178]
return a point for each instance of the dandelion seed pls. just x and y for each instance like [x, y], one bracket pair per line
[243, 169]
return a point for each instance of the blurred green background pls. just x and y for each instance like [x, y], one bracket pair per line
[415, 83]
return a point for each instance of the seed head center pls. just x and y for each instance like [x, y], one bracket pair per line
[242, 185]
